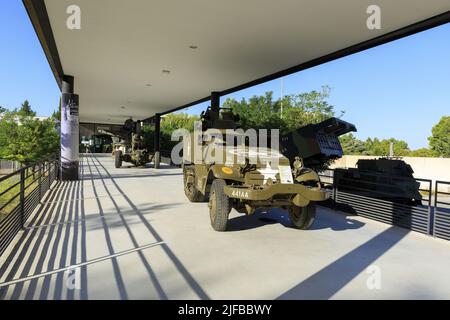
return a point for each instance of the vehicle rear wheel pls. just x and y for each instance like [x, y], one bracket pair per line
[219, 205]
[190, 190]
[302, 217]
[118, 159]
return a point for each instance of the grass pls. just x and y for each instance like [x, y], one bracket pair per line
[4, 185]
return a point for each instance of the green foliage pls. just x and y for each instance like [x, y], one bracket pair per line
[25, 110]
[440, 139]
[373, 147]
[351, 145]
[56, 115]
[439, 144]
[172, 122]
[376, 147]
[26, 139]
[263, 112]
[259, 112]
[422, 153]
[169, 124]
[14, 189]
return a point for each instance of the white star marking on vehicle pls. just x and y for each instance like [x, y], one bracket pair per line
[268, 173]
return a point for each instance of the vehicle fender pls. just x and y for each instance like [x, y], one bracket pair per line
[308, 176]
[217, 173]
[300, 201]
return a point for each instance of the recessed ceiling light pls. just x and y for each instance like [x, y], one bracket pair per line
[165, 71]
[193, 47]
[148, 85]
[122, 107]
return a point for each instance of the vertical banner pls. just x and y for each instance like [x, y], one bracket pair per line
[70, 132]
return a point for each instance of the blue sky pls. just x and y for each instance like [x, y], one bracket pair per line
[24, 71]
[399, 90]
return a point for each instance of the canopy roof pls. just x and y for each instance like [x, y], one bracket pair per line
[141, 57]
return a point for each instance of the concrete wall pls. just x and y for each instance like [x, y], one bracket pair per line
[424, 168]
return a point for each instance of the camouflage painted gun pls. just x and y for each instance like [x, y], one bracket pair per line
[132, 147]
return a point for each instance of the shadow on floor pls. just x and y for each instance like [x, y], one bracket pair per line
[333, 221]
[328, 281]
[36, 252]
[193, 284]
[56, 238]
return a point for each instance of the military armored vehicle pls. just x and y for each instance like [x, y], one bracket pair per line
[131, 148]
[243, 185]
[386, 178]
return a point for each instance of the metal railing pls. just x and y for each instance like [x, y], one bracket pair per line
[378, 200]
[441, 223]
[8, 166]
[20, 194]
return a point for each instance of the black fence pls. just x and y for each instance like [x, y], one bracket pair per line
[395, 200]
[20, 194]
[441, 225]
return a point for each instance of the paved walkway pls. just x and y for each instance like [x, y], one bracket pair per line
[131, 234]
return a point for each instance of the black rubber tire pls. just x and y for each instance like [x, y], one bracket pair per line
[191, 191]
[118, 159]
[302, 217]
[219, 205]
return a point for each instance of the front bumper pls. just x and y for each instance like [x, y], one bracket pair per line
[301, 195]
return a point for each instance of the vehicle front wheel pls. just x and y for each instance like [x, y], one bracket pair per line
[118, 158]
[219, 205]
[302, 217]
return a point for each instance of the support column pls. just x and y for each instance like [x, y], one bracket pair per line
[70, 131]
[215, 102]
[157, 159]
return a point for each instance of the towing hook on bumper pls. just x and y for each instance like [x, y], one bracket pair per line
[302, 195]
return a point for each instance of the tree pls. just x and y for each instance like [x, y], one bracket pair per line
[263, 112]
[307, 108]
[2, 110]
[351, 145]
[377, 147]
[374, 147]
[26, 139]
[422, 152]
[25, 110]
[169, 124]
[259, 112]
[56, 115]
[440, 139]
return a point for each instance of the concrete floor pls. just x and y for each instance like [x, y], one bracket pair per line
[130, 233]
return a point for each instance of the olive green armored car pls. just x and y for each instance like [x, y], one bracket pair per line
[248, 178]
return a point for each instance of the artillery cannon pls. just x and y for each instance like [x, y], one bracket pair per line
[131, 147]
